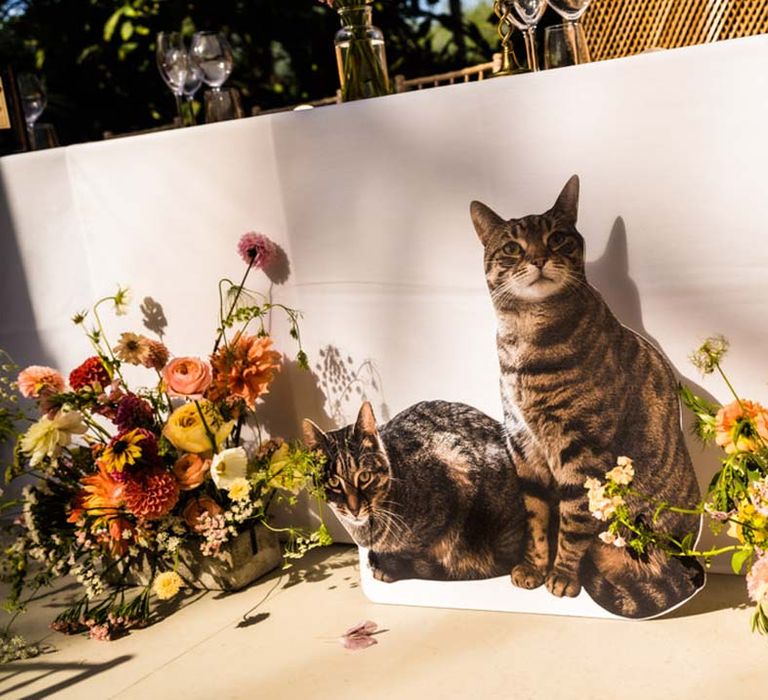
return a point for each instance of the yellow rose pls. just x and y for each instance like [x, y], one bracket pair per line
[186, 431]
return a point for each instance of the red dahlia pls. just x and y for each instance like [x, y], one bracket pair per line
[91, 373]
[151, 494]
[133, 412]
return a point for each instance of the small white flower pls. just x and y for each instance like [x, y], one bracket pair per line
[619, 542]
[607, 537]
[227, 466]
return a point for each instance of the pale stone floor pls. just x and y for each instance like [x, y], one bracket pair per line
[278, 639]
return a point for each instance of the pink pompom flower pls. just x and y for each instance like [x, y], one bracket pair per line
[36, 381]
[256, 249]
[757, 579]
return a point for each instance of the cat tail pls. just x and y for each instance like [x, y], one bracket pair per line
[639, 587]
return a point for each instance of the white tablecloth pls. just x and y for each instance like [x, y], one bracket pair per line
[370, 202]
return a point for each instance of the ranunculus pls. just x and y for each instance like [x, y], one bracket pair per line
[229, 465]
[37, 381]
[196, 508]
[190, 471]
[740, 425]
[186, 431]
[187, 377]
[48, 436]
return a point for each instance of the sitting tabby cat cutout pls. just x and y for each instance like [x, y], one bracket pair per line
[431, 493]
[579, 390]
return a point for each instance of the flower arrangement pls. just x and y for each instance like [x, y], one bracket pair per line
[125, 479]
[735, 502]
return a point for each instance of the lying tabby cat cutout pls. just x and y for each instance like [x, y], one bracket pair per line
[431, 493]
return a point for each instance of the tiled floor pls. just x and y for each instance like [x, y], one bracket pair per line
[278, 639]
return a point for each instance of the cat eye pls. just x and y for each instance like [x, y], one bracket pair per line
[512, 248]
[334, 482]
[561, 241]
[364, 477]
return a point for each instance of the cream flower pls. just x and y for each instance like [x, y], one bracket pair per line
[239, 489]
[622, 473]
[167, 585]
[48, 436]
[228, 466]
[608, 537]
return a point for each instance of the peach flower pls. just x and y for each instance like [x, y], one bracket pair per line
[196, 508]
[190, 471]
[187, 377]
[740, 425]
[244, 369]
[37, 381]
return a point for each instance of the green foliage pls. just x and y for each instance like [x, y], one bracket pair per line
[98, 56]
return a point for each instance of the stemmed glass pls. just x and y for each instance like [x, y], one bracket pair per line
[571, 11]
[173, 64]
[192, 84]
[33, 102]
[530, 12]
[212, 54]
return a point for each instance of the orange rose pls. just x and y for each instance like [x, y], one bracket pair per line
[190, 471]
[196, 508]
[740, 425]
[187, 377]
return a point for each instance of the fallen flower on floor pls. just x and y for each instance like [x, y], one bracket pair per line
[360, 636]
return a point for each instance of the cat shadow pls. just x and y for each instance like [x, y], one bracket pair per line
[609, 274]
[295, 394]
[722, 592]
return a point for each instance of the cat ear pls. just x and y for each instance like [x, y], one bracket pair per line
[567, 203]
[485, 220]
[366, 421]
[313, 436]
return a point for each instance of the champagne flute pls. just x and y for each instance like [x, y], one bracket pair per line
[530, 12]
[212, 54]
[571, 11]
[33, 102]
[173, 63]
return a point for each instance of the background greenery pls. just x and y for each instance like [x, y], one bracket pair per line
[97, 56]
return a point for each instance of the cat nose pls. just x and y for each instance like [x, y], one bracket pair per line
[353, 504]
[539, 262]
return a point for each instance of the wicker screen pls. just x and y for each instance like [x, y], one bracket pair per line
[622, 27]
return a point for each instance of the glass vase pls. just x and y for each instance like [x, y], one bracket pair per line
[360, 54]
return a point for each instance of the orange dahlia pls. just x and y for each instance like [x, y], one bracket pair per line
[739, 426]
[151, 494]
[243, 369]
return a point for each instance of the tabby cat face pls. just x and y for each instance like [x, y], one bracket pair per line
[357, 473]
[533, 258]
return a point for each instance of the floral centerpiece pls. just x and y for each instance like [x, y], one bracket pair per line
[735, 502]
[131, 484]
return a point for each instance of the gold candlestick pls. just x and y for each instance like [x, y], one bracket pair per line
[509, 63]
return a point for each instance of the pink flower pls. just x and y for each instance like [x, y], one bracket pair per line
[36, 381]
[187, 377]
[256, 249]
[757, 579]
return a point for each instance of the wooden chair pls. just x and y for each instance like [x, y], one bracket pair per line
[617, 28]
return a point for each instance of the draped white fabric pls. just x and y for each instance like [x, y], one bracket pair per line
[370, 203]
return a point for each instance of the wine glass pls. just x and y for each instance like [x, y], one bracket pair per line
[212, 54]
[571, 11]
[173, 64]
[33, 102]
[192, 84]
[530, 12]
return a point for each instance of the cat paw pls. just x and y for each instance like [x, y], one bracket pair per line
[562, 583]
[526, 575]
[381, 575]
